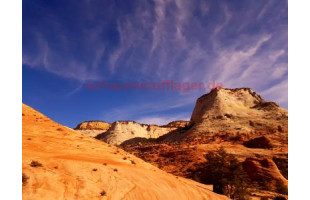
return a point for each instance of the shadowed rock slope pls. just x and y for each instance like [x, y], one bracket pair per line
[60, 163]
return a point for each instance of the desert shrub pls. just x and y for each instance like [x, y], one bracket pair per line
[35, 164]
[226, 174]
[25, 179]
[103, 193]
[95, 169]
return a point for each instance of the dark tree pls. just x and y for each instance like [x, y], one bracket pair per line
[226, 174]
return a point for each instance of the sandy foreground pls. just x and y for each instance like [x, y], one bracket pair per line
[76, 166]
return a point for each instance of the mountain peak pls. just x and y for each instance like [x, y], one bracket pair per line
[239, 110]
[222, 102]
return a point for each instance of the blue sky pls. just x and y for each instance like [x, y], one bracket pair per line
[68, 43]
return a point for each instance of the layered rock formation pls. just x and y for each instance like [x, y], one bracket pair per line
[60, 163]
[122, 131]
[93, 125]
[93, 128]
[240, 121]
[234, 111]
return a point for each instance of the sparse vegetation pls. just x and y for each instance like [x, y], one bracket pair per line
[116, 152]
[133, 162]
[228, 115]
[105, 164]
[226, 174]
[115, 170]
[25, 179]
[35, 164]
[95, 169]
[103, 193]
[124, 158]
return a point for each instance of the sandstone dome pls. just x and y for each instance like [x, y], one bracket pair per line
[72, 165]
[239, 110]
[121, 131]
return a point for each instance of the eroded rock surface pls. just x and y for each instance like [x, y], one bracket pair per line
[60, 163]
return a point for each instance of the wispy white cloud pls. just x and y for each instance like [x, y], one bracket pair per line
[66, 66]
[278, 93]
[149, 108]
[170, 39]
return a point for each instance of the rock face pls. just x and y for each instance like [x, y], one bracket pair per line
[238, 120]
[122, 131]
[60, 163]
[93, 125]
[93, 128]
[234, 110]
[259, 142]
[266, 173]
[240, 105]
